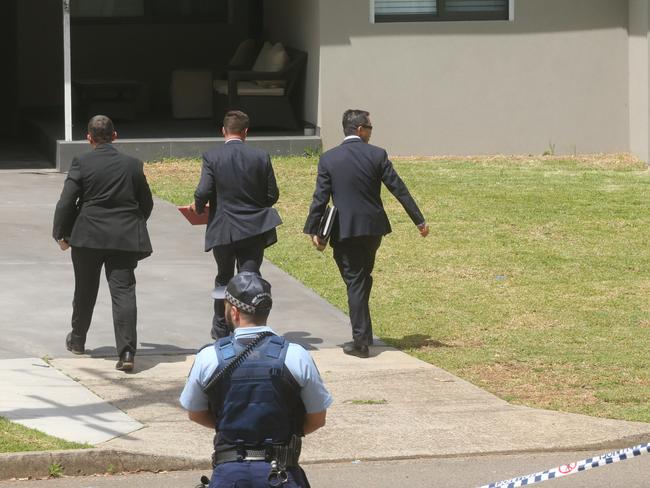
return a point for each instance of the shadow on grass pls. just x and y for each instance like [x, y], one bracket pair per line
[416, 341]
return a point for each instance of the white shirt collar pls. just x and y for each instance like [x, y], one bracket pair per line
[233, 139]
[348, 138]
[246, 331]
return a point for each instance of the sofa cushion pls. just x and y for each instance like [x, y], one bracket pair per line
[248, 88]
[244, 55]
[261, 60]
[272, 58]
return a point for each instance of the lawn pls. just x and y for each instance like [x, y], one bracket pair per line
[17, 438]
[533, 284]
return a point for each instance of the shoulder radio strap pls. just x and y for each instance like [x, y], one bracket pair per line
[236, 362]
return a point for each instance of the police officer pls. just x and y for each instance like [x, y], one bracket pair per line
[260, 393]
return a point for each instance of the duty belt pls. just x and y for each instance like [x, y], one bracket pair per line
[286, 456]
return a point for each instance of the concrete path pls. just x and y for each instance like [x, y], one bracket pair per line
[390, 406]
[41, 397]
[174, 284]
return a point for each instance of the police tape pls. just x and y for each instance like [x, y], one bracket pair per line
[573, 468]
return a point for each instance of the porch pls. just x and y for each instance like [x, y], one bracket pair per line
[150, 137]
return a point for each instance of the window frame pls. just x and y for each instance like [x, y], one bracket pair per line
[443, 15]
[149, 17]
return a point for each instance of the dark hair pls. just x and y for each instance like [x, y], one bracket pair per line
[101, 129]
[353, 119]
[259, 317]
[236, 122]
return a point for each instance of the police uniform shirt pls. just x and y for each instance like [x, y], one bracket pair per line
[298, 361]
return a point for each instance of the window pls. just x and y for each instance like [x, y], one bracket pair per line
[186, 8]
[149, 10]
[440, 10]
[106, 8]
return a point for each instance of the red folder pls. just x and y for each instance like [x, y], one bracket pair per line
[194, 218]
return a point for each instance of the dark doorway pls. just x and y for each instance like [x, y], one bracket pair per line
[151, 42]
[8, 80]
[24, 50]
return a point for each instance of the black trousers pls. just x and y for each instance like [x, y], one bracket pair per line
[355, 258]
[246, 255]
[119, 267]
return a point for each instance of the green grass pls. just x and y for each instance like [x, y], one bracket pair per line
[367, 402]
[17, 438]
[533, 284]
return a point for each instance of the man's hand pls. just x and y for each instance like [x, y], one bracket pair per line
[193, 207]
[63, 244]
[424, 229]
[318, 243]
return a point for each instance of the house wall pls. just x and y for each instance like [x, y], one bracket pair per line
[639, 79]
[555, 77]
[296, 23]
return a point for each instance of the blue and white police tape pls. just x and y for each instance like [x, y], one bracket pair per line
[572, 468]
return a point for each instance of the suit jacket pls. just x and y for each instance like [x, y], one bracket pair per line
[105, 203]
[352, 174]
[239, 182]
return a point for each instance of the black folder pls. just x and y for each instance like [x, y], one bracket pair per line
[327, 224]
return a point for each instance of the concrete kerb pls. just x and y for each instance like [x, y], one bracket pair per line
[86, 462]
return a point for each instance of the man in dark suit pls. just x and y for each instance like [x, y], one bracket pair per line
[239, 183]
[352, 174]
[102, 215]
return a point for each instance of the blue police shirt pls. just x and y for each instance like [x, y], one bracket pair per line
[298, 361]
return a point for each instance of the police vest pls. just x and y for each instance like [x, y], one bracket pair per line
[259, 402]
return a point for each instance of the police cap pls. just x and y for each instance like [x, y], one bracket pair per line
[250, 293]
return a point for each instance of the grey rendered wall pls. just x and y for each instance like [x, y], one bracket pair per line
[557, 75]
[296, 23]
[639, 79]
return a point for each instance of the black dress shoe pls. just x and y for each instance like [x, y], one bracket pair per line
[126, 361]
[72, 347]
[352, 349]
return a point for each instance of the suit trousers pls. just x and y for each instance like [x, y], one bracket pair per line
[355, 258]
[119, 268]
[246, 255]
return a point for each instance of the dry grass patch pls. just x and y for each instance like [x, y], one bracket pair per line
[532, 321]
[619, 161]
[541, 385]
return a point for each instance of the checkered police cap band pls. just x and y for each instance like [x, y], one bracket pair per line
[251, 309]
[239, 304]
